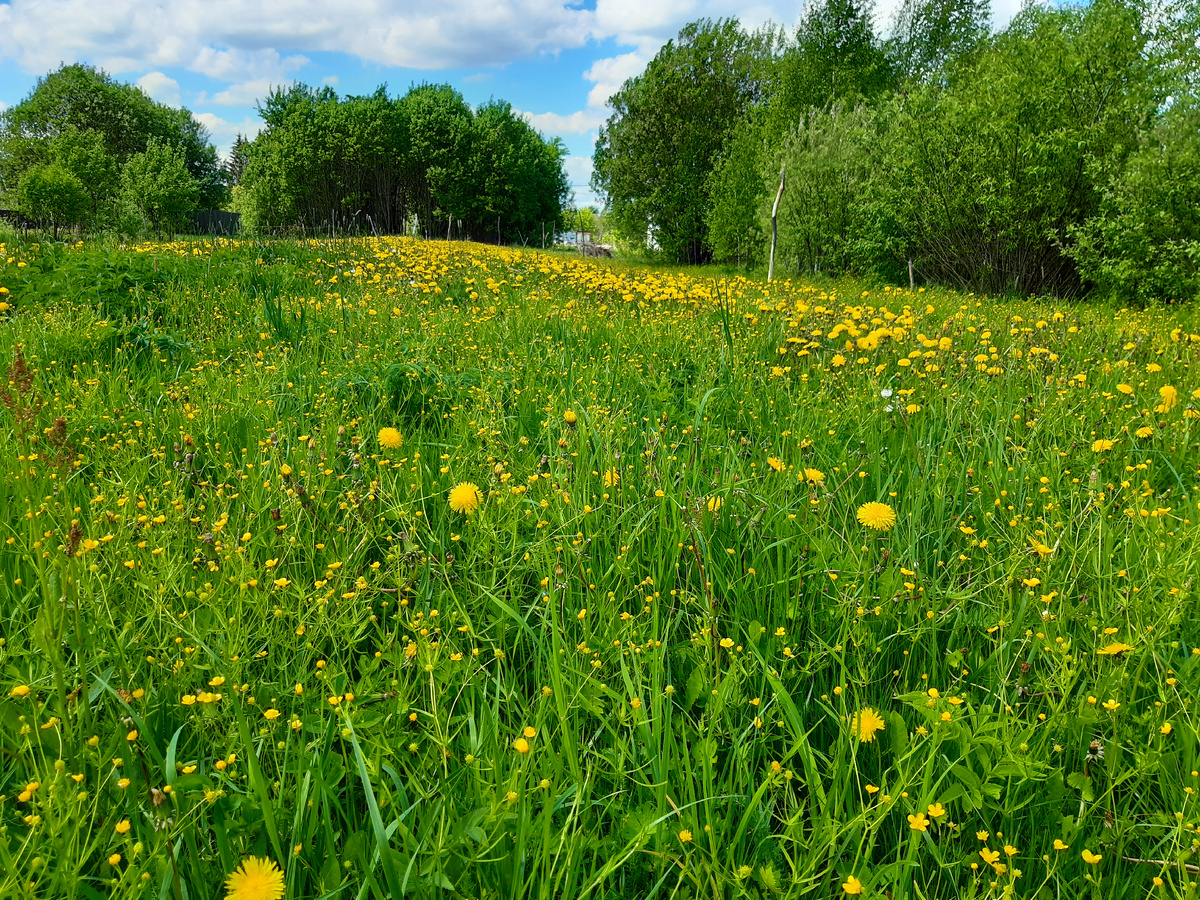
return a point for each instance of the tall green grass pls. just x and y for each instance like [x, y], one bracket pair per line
[233, 624]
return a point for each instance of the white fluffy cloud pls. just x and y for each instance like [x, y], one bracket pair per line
[224, 132]
[555, 124]
[233, 41]
[160, 87]
[244, 93]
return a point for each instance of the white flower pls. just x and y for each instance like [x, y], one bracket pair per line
[885, 393]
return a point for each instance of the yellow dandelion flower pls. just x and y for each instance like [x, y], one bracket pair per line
[611, 477]
[465, 497]
[816, 477]
[389, 438]
[714, 504]
[255, 879]
[569, 417]
[878, 516]
[1102, 444]
[1116, 648]
[775, 463]
[866, 724]
[685, 836]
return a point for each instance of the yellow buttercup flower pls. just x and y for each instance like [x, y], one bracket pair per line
[852, 886]
[1091, 858]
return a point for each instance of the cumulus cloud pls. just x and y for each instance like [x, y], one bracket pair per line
[555, 124]
[230, 40]
[160, 87]
[245, 93]
[233, 41]
[223, 132]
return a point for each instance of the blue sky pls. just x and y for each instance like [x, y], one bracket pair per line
[556, 62]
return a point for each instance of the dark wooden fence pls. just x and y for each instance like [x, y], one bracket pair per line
[216, 221]
[18, 220]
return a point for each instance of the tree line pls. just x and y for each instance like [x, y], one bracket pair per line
[86, 153]
[424, 162]
[1058, 155]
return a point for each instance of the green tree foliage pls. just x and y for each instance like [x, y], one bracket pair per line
[736, 189]
[669, 128]
[82, 153]
[52, 195]
[320, 161]
[521, 181]
[1144, 242]
[239, 158]
[928, 35]
[987, 174]
[425, 158]
[823, 215]
[121, 119]
[442, 185]
[157, 192]
[1052, 157]
[835, 57]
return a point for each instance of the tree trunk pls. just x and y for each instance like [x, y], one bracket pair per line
[775, 224]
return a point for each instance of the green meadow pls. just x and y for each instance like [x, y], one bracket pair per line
[382, 568]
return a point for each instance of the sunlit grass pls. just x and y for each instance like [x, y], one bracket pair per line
[437, 567]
